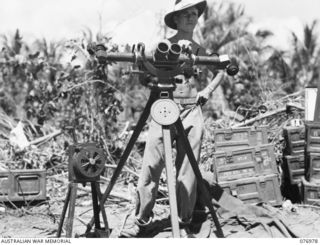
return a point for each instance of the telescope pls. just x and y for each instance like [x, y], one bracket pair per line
[167, 57]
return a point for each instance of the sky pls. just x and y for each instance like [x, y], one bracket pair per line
[131, 21]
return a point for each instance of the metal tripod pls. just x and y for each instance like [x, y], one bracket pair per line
[162, 96]
[86, 163]
[71, 201]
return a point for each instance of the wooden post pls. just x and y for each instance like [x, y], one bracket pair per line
[316, 114]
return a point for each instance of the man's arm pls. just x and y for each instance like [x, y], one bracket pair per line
[217, 78]
[204, 94]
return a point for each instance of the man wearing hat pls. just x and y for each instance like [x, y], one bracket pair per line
[184, 19]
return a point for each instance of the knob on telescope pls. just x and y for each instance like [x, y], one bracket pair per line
[91, 48]
[233, 68]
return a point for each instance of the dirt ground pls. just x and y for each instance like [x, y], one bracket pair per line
[41, 220]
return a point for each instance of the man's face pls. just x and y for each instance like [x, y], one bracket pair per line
[187, 19]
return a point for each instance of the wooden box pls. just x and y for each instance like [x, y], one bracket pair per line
[242, 163]
[23, 185]
[255, 189]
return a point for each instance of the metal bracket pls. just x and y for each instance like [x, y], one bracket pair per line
[234, 193]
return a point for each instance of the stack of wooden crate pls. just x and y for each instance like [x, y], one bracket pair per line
[245, 165]
[311, 183]
[301, 165]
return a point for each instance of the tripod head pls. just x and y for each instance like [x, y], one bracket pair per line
[166, 62]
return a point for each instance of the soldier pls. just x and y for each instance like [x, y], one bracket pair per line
[184, 19]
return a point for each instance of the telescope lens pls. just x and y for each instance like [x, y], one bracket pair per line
[174, 52]
[161, 51]
[175, 48]
[163, 47]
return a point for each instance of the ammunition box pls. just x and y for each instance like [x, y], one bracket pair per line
[242, 163]
[312, 136]
[294, 168]
[5, 185]
[313, 167]
[22, 185]
[255, 190]
[310, 193]
[294, 140]
[228, 139]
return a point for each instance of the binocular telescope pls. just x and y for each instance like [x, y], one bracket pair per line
[165, 52]
[166, 56]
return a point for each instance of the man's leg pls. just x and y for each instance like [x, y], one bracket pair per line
[148, 183]
[223, 200]
[152, 167]
[186, 180]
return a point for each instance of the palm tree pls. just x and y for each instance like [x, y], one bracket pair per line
[13, 55]
[305, 58]
[225, 23]
[225, 30]
[298, 67]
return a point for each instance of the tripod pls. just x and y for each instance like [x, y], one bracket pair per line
[165, 112]
[86, 163]
[163, 94]
[71, 202]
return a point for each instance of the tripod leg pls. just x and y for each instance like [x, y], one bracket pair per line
[170, 181]
[143, 118]
[103, 212]
[64, 210]
[73, 196]
[95, 205]
[194, 165]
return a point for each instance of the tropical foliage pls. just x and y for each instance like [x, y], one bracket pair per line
[266, 73]
[43, 89]
[60, 85]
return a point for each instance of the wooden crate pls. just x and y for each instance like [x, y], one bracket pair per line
[242, 163]
[312, 136]
[294, 140]
[313, 167]
[228, 139]
[310, 192]
[294, 168]
[255, 189]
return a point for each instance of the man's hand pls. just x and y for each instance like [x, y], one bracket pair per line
[203, 96]
[185, 45]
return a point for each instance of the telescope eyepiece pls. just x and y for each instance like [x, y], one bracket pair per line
[163, 47]
[161, 51]
[174, 52]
